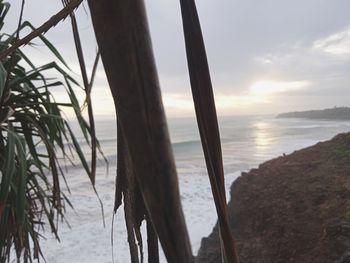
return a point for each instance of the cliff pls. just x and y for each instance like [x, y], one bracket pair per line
[294, 208]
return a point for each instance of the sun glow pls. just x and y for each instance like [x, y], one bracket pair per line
[264, 88]
[259, 93]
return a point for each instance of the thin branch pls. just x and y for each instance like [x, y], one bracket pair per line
[20, 19]
[87, 88]
[94, 69]
[86, 83]
[53, 21]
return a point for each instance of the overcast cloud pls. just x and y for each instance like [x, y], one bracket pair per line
[296, 52]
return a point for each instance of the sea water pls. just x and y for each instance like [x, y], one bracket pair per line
[247, 141]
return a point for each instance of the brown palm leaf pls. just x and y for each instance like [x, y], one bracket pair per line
[207, 120]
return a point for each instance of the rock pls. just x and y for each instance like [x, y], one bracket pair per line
[345, 258]
[295, 208]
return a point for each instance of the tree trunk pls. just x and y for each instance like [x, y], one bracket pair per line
[124, 42]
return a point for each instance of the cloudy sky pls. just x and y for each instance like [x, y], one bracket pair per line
[266, 56]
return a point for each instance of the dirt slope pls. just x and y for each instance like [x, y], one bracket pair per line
[294, 208]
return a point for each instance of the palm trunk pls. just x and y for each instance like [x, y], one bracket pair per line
[124, 42]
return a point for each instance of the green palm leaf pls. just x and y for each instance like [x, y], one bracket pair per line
[34, 138]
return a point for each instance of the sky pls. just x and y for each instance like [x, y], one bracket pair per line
[265, 56]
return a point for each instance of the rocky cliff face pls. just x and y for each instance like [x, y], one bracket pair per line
[294, 208]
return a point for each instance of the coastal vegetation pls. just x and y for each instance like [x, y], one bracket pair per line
[127, 56]
[36, 143]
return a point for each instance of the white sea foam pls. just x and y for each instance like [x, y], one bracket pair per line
[248, 142]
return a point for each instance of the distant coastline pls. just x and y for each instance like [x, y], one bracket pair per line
[337, 113]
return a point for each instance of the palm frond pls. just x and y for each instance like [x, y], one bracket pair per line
[53, 21]
[204, 102]
[34, 138]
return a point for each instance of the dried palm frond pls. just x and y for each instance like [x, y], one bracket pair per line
[204, 102]
[127, 189]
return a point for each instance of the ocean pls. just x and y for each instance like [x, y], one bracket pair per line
[247, 141]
